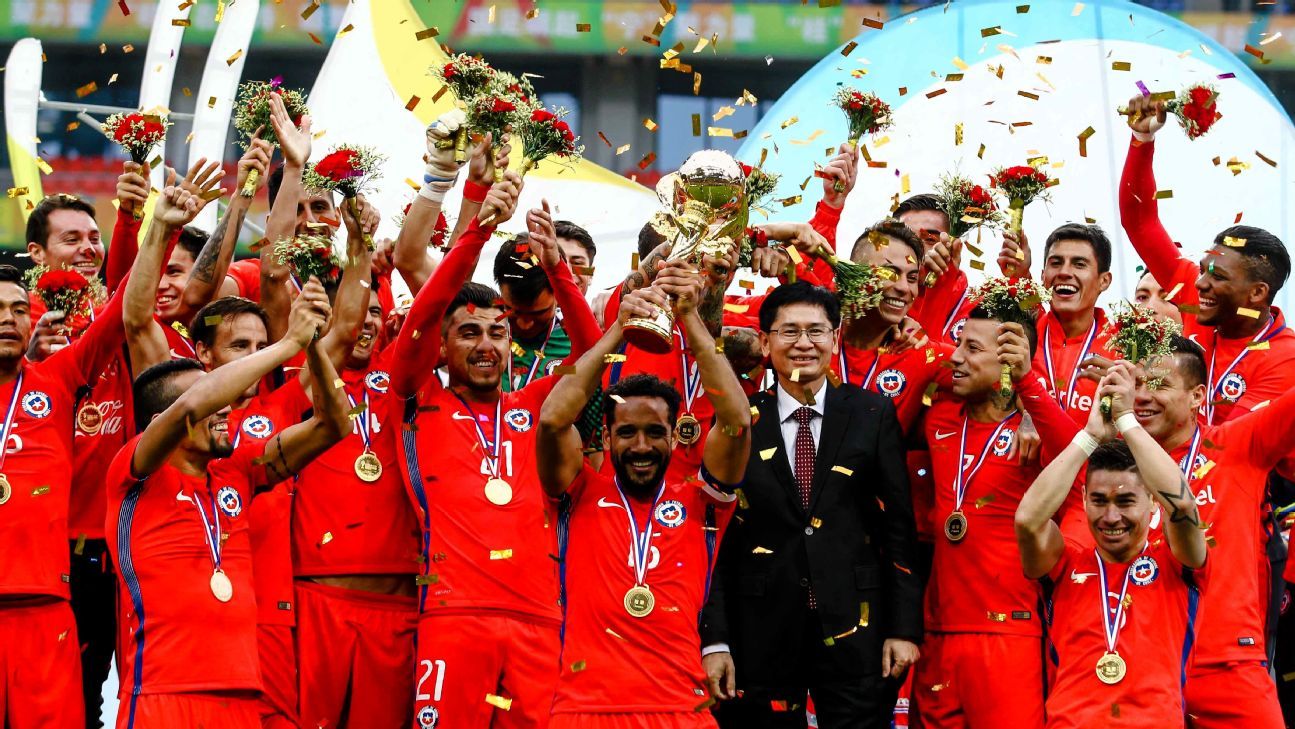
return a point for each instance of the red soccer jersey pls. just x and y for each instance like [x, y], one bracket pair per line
[942, 309]
[39, 457]
[613, 662]
[342, 525]
[479, 555]
[104, 422]
[977, 585]
[173, 635]
[254, 425]
[1228, 469]
[177, 340]
[247, 274]
[904, 377]
[1155, 635]
[1058, 358]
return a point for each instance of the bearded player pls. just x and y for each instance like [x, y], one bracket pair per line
[640, 545]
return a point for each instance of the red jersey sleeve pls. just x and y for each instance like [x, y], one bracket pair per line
[826, 220]
[1056, 429]
[81, 362]
[1140, 216]
[420, 337]
[1266, 431]
[122, 249]
[937, 305]
[577, 320]
[247, 275]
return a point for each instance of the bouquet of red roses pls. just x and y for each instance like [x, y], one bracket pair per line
[252, 112]
[137, 133]
[1021, 185]
[1196, 108]
[544, 134]
[967, 205]
[858, 286]
[349, 170]
[865, 113]
[310, 255]
[467, 77]
[1137, 334]
[69, 292]
[1011, 300]
[505, 105]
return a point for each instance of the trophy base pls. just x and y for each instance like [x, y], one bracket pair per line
[654, 335]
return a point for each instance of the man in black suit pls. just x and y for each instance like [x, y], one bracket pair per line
[812, 590]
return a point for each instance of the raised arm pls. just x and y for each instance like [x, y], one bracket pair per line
[481, 176]
[216, 390]
[294, 140]
[208, 274]
[410, 254]
[1163, 478]
[577, 319]
[300, 444]
[729, 443]
[419, 343]
[351, 303]
[132, 194]
[1054, 426]
[1037, 536]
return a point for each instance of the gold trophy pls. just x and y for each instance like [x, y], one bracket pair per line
[706, 203]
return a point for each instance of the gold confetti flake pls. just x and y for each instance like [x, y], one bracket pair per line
[816, 522]
[328, 537]
[1204, 469]
[426, 33]
[1251, 313]
[86, 90]
[501, 554]
[1164, 194]
[1270, 162]
[310, 10]
[864, 613]
[16, 191]
[1121, 66]
[40, 491]
[761, 550]
[996, 617]
[499, 702]
[578, 666]
[843, 470]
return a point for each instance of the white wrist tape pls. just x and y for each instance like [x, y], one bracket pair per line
[1127, 422]
[1085, 441]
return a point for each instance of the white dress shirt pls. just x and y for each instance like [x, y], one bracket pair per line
[787, 407]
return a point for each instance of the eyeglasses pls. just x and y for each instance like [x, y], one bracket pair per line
[791, 335]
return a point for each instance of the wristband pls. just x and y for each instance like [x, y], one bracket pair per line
[475, 192]
[433, 194]
[1127, 422]
[1086, 442]
[1144, 137]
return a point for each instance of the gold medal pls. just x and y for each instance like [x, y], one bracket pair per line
[1111, 669]
[221, 587]
[498, 492]
[639, 601]
[955, 527]
[89, 419]
[5, 489]
[368, 467]
[687, 430]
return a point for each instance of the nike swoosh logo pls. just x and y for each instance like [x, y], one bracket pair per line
[460, 416]
[603, 502]
[1081, 577]
[179, 496]
[942, 436]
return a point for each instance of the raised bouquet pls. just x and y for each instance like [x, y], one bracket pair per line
[349, 170]
[310, 255]
[1137, 334]
[543, 134]
[1011, 300]
[865, 113]
[1196, 108]
[760, 186]
[858, 286]
[252, 113]
[467, 77]
[137, 133]
[67, 291]
[505, 104]
[967, 205]
[1021, 185]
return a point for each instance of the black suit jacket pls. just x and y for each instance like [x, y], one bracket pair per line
[855, 545]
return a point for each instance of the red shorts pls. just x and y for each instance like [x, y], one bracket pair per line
[671, 720]
[968, 680]
[40, 666]
[1237, 696]
[168, 711]
[464, 658]
[277, 655]
[355, 649]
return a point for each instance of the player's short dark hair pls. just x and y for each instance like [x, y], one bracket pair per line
[800, 292]
[210, 317]
[38, 221]
[154, 390]
[1189, 360]
[921, 202]
[649, 239]
[519, 270]
[11, 274]
[472, 294]
[1027, 319]
[1113, 455]
[639, 385]
[192, 239]
[891, 228]
[1093, 235]
[1266, 257]
[571, 231]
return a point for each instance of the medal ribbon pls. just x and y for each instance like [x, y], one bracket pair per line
[1064, 399]
[948, 323]
[691, 377]
[539, 355]
[1215, 385]
[1192, 452]
[1111, 624]
[962, 479]
[213, 535]
[8, 417]
[362, 422]
[843, 365]
[641, 541]
[488, 448]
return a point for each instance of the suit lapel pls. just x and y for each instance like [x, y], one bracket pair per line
[836, 422]
[766, 434]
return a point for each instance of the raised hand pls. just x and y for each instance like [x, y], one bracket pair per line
[641, 304]
[48, 335]
[181, 202]
[544, 238]
[294, 140]
[682, 283]
[1145, 115]
[501, 201]
[943, 256]
[1014, 349]
[132, 187]
[440, 154]
[482, 164]
[257, 157]
[1014, 258]
[841, 172]
[310, 313]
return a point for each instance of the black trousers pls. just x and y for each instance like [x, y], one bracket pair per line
[850, 699]
[94, 603]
